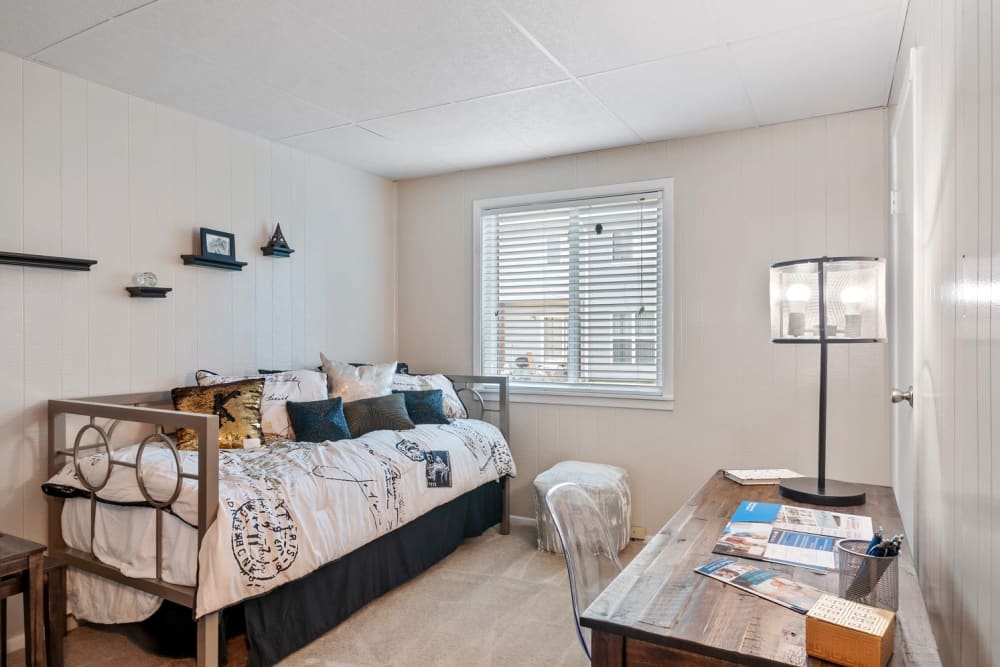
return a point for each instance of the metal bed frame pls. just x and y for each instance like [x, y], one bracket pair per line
[140, 408]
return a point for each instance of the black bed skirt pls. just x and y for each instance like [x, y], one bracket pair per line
[286, 619]
[299, 612]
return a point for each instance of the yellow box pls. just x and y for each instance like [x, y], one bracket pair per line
[848, 633]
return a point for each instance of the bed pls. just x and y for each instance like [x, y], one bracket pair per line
[296, 536]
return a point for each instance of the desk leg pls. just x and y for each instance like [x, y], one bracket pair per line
[34, 603]
[606, 649]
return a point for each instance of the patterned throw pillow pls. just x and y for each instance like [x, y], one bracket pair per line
[453, 406]
[382, 413]
[424, 406]
[319, 421]
[278, 388]
[353, 383]
[236, 403]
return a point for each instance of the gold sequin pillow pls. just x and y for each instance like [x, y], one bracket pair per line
[236, 403]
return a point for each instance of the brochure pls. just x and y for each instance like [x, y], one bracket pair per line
[793, 535]
[763, 583]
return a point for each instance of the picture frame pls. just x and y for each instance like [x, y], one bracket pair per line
[217, 244]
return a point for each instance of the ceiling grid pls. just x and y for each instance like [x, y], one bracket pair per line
[406, 89]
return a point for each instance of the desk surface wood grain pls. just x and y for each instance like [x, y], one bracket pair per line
[658, 602]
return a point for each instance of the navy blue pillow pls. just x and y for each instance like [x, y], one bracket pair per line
[425, 406]
[317, 421]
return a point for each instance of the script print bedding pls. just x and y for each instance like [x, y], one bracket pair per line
[290, 508]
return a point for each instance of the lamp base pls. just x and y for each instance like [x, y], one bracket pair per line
[833, 493]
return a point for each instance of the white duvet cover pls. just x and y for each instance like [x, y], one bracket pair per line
[284, 510]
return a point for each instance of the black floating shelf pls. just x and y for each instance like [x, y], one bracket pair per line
[46, 261]
[137, 291]
[213, 263]
[276, 251]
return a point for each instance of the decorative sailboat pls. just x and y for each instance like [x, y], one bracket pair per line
[277, 246]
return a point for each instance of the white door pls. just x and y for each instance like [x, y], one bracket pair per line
[901, 295]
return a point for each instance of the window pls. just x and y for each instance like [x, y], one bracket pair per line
[621, 245]
[572, 297]
[621, 341]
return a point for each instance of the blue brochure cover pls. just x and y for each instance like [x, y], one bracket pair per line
[753, 512]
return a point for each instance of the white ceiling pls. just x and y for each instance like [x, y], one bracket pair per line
[406, 88]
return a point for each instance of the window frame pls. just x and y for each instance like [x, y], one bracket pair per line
[648, 398]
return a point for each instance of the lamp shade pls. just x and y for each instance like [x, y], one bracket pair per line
[828, 299]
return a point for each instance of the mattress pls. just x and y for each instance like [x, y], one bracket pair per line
[125, 537]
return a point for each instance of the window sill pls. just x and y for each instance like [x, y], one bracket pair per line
[633, 402]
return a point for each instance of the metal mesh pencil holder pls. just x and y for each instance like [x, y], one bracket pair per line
[870, 580]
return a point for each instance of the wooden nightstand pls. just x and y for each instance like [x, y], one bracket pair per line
[24, 569]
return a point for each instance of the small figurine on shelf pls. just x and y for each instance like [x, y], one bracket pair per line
[277, 246]
[146, 286]
[146, 279]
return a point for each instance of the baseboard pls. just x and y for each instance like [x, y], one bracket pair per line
[15, 643]
[523, 520]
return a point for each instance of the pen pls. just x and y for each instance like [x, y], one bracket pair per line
[876, 539]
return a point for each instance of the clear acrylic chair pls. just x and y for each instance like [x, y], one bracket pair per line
[591, 561]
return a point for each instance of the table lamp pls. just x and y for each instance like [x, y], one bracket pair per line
[820, 301]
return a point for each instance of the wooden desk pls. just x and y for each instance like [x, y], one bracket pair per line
[705, 622]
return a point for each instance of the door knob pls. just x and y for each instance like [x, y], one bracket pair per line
[898, 396]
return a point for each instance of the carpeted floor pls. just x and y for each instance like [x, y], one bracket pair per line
[495, 601]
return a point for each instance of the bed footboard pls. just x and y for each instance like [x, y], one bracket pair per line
[93, 435]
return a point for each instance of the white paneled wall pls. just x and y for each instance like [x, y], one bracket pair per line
[86, 171]
[956, 264]
[742, 201]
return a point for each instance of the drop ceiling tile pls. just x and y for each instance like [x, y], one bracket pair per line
[132, 57]
[31, 25]
[359, 60]
[275, 114]
[133, 61]
[825, 68]
[689, 94]
[468, 134]
[595, 35]
[412, 55]
[375, 154]
[270, 43]
[739, 19]
[555, 120]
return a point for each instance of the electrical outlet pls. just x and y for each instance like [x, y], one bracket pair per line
[638, 533]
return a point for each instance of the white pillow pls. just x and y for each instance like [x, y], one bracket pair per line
[279, 388]
[352, 383]
[453, 406]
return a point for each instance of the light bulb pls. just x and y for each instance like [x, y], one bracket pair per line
[852, 297]
[797, 296]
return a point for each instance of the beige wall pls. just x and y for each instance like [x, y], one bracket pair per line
[956, 515]
[89, 172]
[743, 200]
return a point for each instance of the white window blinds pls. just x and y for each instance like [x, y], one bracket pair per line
[572, 293]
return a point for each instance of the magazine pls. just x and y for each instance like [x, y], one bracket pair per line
[763, 583]
[793, 535]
